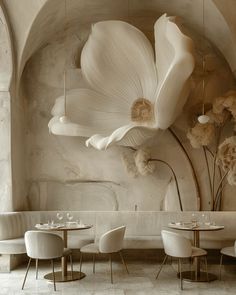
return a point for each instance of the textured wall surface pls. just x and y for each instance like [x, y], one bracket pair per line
[63, 174]
[56, 173]
[5, 116]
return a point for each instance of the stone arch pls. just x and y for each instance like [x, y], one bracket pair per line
[6, 58]
[6, 74]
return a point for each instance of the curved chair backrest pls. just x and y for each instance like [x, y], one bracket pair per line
[176, 245]
[112, 241]
[43, 245]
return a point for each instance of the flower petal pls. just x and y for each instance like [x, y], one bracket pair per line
[118, 61]
[67, 128]
[93, 111]
[175, 63]
[129, 135]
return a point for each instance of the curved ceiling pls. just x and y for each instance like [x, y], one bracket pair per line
[6, 68]
[44, 18]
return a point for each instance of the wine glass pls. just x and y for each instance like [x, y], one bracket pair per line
[206, 219]
[59, 216]
[194, 219]
[69, 216]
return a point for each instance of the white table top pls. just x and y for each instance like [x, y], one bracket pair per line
[193, 227]
[62, 227]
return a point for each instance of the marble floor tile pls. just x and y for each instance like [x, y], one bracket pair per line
[140, 281]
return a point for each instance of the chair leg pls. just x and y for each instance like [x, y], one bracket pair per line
[71, 265]
[54, 283]
[191, 261]
[163, 262]
[221, 261]
[80, 266]
[123, 261]
[196, 271]
[180, 274]
[37, 267]
[94, 263]
[110, 255]
[206, 268]
[28, 266]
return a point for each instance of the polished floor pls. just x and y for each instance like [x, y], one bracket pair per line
[140, 281]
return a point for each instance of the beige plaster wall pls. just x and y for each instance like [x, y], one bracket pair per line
[55, 172]
[5, 115]
[63, 174]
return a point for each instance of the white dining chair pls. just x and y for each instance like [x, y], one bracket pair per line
[46, 246]
[178, 246]
[109, 243]
[227, 251]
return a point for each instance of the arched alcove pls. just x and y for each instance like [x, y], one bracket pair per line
[56, 162]
[43, 40]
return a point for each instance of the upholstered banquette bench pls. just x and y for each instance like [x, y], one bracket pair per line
[143, 228]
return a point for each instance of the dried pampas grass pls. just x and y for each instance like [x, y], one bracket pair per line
[130, 167]
[231, 177]
[218, 118]
[142, 159]
[201, 135]
[226, 102]
[226, 156]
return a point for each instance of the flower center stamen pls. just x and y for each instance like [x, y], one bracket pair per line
[142, 111]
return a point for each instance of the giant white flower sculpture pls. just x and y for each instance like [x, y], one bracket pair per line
[131, 93]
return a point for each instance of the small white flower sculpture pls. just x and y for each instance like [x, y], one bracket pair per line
[130, 94]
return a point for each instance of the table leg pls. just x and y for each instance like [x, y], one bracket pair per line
[64, 275]
[196, 243]
[64, 259]
[197, 275]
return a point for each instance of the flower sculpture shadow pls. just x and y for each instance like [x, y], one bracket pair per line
[209, 136]
[130, 93]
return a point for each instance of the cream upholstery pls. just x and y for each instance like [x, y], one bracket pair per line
[90, 248]
[13, 246]
[178, 246]
[13, 226]
[44, 245]
[110, 242]
[143, 229]
[228, 251]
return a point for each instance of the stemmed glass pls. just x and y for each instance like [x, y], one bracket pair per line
[194, 219]
[59, 216]
[69, 216]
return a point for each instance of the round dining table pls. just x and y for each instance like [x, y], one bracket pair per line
[64, 275]
[196, 275]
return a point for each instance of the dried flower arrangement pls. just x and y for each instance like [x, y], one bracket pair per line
[222, 111]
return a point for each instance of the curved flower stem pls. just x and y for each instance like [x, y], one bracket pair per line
[209, 174]
[175, 178]
[219, 189]
[194, 175]
[213, 176]
[218, 199]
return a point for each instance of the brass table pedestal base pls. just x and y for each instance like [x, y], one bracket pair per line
[202, 276]
[59, 278]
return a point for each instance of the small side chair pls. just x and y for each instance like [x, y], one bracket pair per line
[109, 243]
[227, 251]
[46, 246]
[178, 246]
